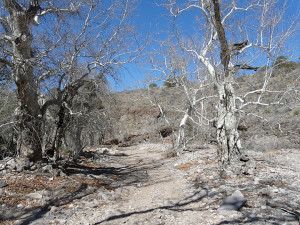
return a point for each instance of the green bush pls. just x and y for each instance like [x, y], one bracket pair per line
[170, 82]
[282, 62]
[152, 85]
[267, 111]
[296, 112]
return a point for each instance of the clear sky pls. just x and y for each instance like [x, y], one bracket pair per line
[152, 19]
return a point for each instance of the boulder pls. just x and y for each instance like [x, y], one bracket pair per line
[233, 202]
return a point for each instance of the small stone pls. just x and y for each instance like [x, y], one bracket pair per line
[19, 168]
[3, 184]
[60, 221]
[53, 209]
[256, 180]
[212, 193]
[33, 167]
[35, 195]
[250, 171]
[29, 207]
[17, 222]
[20, 206]
[47, 169]
[47, 193]
[281, 190]
[11, 164]
[264, 192]
[203, 192]
[2, 166]
[49, 217]
[263, 207]
[91, 204]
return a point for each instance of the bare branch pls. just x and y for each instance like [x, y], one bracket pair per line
[6, 62]
[72, 9]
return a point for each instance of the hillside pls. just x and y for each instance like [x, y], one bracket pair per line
[135, 119]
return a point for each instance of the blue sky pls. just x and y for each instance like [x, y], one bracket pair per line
[152, 19]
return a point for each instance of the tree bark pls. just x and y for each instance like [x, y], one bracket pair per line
[229, 144]
[29, 116]
[181, 142]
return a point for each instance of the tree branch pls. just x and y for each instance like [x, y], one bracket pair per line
[225, 52]
[6, 62]
[36, 18]
[5, 37]
[246, 67]
[5, 24]
[12, 5]
[49, 103]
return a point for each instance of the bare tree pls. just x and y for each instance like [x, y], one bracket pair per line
[176, 67]
[70, 43]
[254, 34]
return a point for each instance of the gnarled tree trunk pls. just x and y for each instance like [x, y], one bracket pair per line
[29, 116]
[228, 138]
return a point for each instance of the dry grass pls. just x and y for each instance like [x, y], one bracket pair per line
[187, 166]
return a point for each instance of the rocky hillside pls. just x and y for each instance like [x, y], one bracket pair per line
[136, 118]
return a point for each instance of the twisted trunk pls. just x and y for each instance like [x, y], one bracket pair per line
[29, 116]
[229, 144]
[228, 138]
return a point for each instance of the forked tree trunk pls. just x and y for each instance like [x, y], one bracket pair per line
[29, 119]
[228, 138]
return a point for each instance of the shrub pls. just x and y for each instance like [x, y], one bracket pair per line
[282, 62]
[267, 111]
[152, 85]
[170, 82]
[296, 112]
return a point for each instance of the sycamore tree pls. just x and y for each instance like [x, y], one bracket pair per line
[232, 36]
[176, 67]
[53, 48]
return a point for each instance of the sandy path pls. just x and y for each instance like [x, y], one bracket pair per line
[148, 188]
[147, 201]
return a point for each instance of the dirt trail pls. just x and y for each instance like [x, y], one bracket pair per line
[160, 196]
[139, 185]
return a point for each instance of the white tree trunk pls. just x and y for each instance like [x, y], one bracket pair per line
[228, 138]
[180, 142]
[29, 119]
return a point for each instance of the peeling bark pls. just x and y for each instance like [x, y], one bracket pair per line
[181, 142]
[229, 144]
[29, 116]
